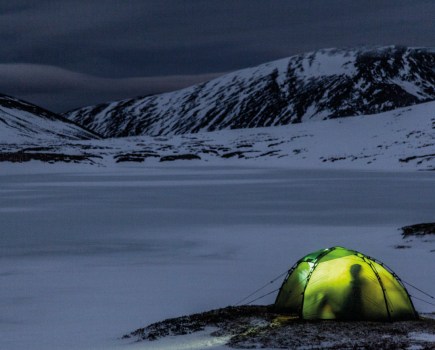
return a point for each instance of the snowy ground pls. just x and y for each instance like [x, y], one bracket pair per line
[88, 254]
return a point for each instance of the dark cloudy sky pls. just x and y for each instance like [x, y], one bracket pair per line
[63, 54]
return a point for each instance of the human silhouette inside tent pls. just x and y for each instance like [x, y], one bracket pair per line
[351, 308]
[353, 304]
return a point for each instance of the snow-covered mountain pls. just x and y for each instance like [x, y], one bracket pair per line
[21, 121]
[400, 139]
[325, 84]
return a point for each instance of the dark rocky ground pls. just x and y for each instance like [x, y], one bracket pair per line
[423, 229]
[250, 327]
[417, 233]
[20, 157]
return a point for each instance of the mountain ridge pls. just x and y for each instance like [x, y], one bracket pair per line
[324, 84]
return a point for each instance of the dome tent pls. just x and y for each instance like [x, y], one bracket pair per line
[338, 283]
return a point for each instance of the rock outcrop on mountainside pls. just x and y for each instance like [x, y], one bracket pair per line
[320, 85]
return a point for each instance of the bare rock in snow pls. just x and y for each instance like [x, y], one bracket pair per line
[419, 229]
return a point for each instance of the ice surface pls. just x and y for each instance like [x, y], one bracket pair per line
[89, 254]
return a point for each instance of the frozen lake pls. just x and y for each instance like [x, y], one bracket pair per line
[88, 256]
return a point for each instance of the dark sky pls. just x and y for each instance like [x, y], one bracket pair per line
[63, 54]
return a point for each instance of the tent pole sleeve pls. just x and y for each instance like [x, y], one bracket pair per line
[402, 282]
[289, 272]
[369, 262]
[301, 308]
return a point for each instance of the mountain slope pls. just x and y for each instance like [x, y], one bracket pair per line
[21, 121]
[400, 139]
[321, 85]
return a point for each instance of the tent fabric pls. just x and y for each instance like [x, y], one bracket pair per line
[339, 283]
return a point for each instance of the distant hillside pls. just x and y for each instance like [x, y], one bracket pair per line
[320, 85]
[21, 121]
[400, 139]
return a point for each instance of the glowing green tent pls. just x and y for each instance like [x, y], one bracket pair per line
[338, 283]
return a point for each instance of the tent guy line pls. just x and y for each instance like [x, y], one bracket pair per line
[418, 289]
[261, 288]
[424, 301]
